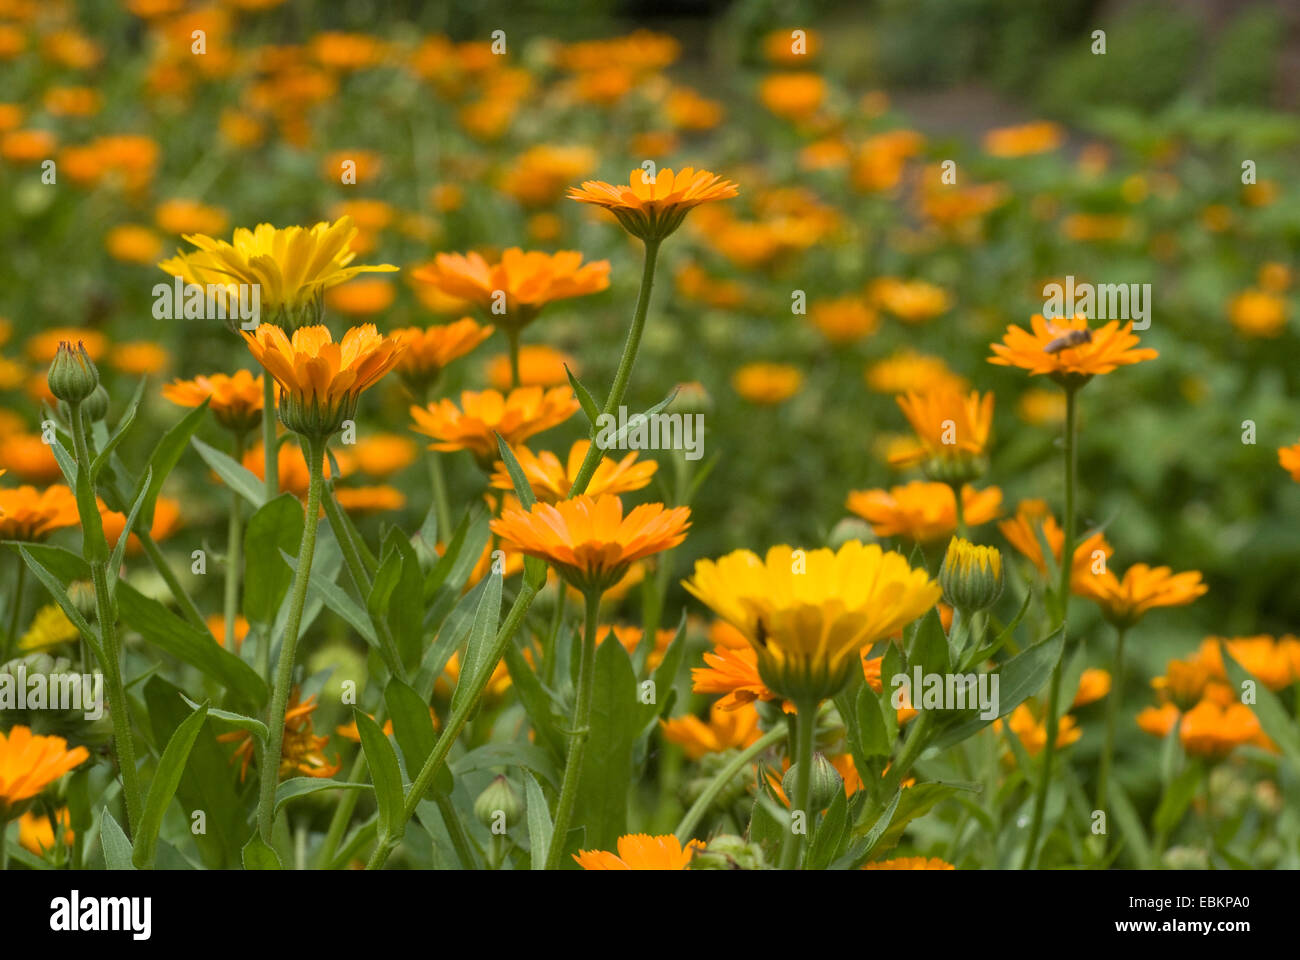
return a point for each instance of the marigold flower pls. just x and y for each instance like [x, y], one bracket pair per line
[909, 371]
[910, 863]
[361, 298]
[521, 283]
[1158, 721]
[482, 415]
[1289, 458]
[293, 266]
[921, 511]
[49, 628]
[551, 480]
[792, 96]
[32, 515]
[180, 216]
[301, 751]
[539, 175]
[29, 763]
[912, 301]
[808, 616]
[639, 851]
[952, 430]
[1185, 681]
[1093, 685]
[30, 457]
[845, 320]
[767, 384]
[971, 576]
[1213, 730]
[1023, 140]
[383, 454]
[1276, 662]
[724, 730]
[1069, 351]
[372, 499]
[217, 627]
[1257, 313]
[539, 366]
[732, 671]
[234, 399]
[166, 521]
[1143, 588]
[589, 540]
[430, 349]
[652, 207]
[139, 358]
[291, 466]
[320, 380]
[1032, 731]
[36, 832]
[1022, 532]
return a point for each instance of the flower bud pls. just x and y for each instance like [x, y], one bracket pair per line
[729, 852]
[850, 528]
[971, 576]
[94, 407]
[826, 782]
[73, 376]
[498, 807]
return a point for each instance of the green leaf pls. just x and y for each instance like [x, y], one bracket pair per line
[296, 787]
[831, 834]
[1273, 717]
[540, 827]
[386, 774]
[535, 700]
[165, 456]
[855, 857]
[168, 776]
[331, 594]
[117, 848]
[1130, 824]
[482, 634]
[876, 741]
[585, 399]
[523, 489]
[665, 675]
[254, 726]
[235, 475]
[275, 527]
[1177, 798]
[412, 724]
[915, 801]
[405, 610]
[258, 856]
[119, 432]
[508, 754]
[115, 558]
[1019, 679]
[616, 442]
[60, 594]
[1007, 632]
[615, 724]
[929, 647]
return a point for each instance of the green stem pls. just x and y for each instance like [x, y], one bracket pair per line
[441, 509]
[234, 555]
[577, 736]
[1112, 708]
[455, 830]
[619, 389]
[916, 741]
[512, 338]
[803, 732]
[154, 553]
[1054, 690]
[456, 722]
[15, 615]
[288, 647]
[961, 509]
[724, 777]
[270, 453]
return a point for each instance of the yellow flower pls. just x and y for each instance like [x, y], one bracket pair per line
[50, 628]
[767, 384]
[910, 863]
[1021, 141]
[292, 265]
[551, 481]
[320, 380]
[36, 833]
[807, 615]
[912, 301]
[1093, 685]
[844, 320]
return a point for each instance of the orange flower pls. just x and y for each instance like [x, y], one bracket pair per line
[1067, 350]
[767, 384]
[521, 283]
[430, 349]
[910, 863]
[1125, 602]
[370, 499]
[589, 540]
[725, 730]
[482, 415]
[217, 627]
[383, 454]
[551, 481]
[1186, 681]
[36, 833]
[1026, 139]
[1275, 662]
[139, 358]
[320, 380]
[653, 206]
[910, 371]
[179, 216]
[132, 243]
[1256, 313]
[42, 347]
[792, 96]
[1093, 685]
[29, 763]
[952, 431]
[26, 514]
[539, 175]
[639, 851]
[1289, 458]
[1033, 731]
[539, 366]
[845, 320]
[166, 521]
[30, 457]
[235, 400]
[1214, 731]
[912, 301]
[1022, 532]
[301, 751]
[733, 671]
[1158, 721]
[921, 511]
[361, 298]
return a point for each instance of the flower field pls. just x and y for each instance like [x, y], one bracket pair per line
[476, 437]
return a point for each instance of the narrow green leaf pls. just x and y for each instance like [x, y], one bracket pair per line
[124, 424]
[168, 776]
[540, 827]
[117, 848]
[412, 724]
[296, 787]
[60, 594]
[235, 475]
[115, 558]
[274, 527]
[254, 726]
[385, 772]
[481, 636]
[523, 489]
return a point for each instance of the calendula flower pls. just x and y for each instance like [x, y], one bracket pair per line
[29, 763]
[589, 540]
[971, 576]
[912, 301]
[166, 521]
[1022, 532]
[539, 366]
[1143, 588]
[921, 511]
[49, 628]
[301, 751]
[808, 616]
[320, 380]
[36, 833]
[1212, 730]
[32, 515]
[1093, 685]
[551, 480]
[1276, 662]
[844, 320]
[639, 851]
[1257, 313]
[909, 371]
[294, 266]
[1158, 721]
[1185, 682]
[521, 283]
[910, 863]
[767, 384]
[952, 432]
[1289, 458]
[792, 96]
[217, 627]
[180, 216]
[1032, 730]
[725, 730]
[482, 415]
[538, 177]
[370, 499]
[430, 349]
[1068, 351]
[1026, 139]
[653, 206]
[383, 454]
[235, 400]
[28, 456]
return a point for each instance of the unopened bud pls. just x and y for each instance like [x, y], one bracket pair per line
[971, 576]
[73, 376]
